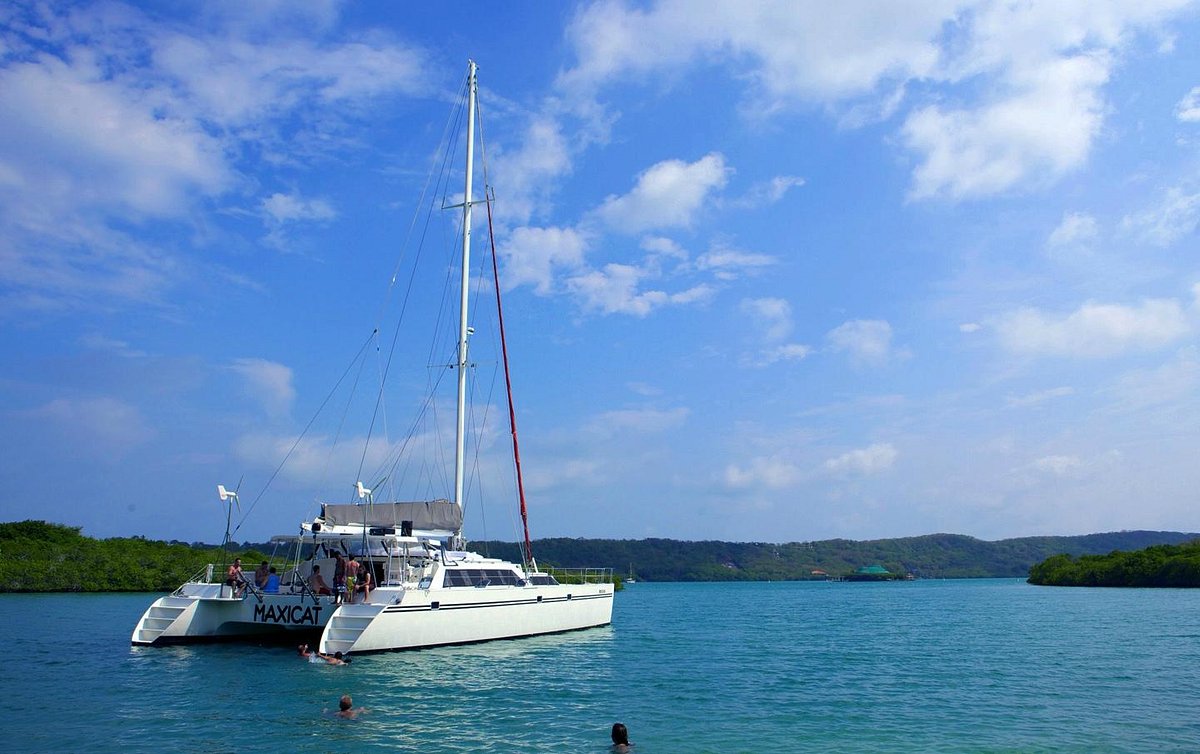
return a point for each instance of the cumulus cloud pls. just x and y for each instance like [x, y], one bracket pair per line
[769, 472]
[1188, 109]
[773, 315]
[638, 421]
[1075, 228]
[1040, 132]
[282, 208]
[666, 195]
[1058, 465]
[768, 192]
[1043, 65]
[872, 459]
[867, 341]
[1094, 330]
[105, 425]
[1042, 396]
[729, 264]
[268, 382]
[109, 117]
[615, 289]
[533, 256]
[1176, 216]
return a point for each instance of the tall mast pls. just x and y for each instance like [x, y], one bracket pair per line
[463, 329]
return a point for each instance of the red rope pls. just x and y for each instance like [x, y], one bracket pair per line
[512, 414]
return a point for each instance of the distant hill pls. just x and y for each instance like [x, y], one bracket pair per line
[36, 556]
[929, 556]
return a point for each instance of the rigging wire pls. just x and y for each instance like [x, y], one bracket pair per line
[451, 128]
[296, 444]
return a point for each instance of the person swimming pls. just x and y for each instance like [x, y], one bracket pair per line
[346, 708]
[620, 738]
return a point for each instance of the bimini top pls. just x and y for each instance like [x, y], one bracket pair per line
[435, 515]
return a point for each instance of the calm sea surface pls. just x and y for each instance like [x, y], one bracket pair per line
[927, 666]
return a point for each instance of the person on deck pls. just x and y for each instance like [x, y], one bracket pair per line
[234, 578]
[339, 577]
[351, 578]
[272, 584]
[317, 583]
[364, 582]
[260, 575]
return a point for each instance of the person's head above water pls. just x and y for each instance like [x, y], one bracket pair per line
[345, 702]
[620, 735]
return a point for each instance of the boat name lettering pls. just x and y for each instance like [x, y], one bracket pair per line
[287, 614]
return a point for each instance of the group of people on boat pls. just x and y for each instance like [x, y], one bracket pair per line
[350, 578]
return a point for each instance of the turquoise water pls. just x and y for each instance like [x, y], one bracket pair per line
[945, 666]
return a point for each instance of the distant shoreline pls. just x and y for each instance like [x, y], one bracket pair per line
[36, 556]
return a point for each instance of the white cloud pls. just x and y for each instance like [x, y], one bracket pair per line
[533, 255]
[770, 472]
[868, 341]
[1042, 130]
[667, 195]
[787, 50]
[1034, 399]
[773, 315]
[1176, 216]
[268, 382]
[970, 327]
[776, 354]
[615, 290]
[872, 459]
[282, 208]
[110, 117]
[638, 421]
[1043, 65]
[1188, 109]
[728, 264]
[1057, 465]
[1075, 228]
[104, 426]
[1094, 330]
[663, 247]
[527, 174]
[768, 192]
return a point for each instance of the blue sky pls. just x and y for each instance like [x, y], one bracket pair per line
[773, 271]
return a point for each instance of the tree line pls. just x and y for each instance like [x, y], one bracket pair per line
[36, 556]
[1157, 566]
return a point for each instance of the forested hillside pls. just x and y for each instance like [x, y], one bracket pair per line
[1158, 566]
[39, 557]
[929, 556]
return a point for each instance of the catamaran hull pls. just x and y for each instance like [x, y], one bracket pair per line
[463, 616]
[210, 614]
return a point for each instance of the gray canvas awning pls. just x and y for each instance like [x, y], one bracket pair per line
[435, 515]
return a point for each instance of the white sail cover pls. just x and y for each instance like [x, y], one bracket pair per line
[434, 515]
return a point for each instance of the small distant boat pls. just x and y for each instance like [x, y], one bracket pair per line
[430, 592]
[630, 579]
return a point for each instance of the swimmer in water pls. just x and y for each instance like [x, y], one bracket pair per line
[346, 708]
[620, 738]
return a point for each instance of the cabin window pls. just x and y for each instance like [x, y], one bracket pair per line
[542, 579]
[481, 577]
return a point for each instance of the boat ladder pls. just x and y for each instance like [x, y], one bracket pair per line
[159, 618]
[346, 625]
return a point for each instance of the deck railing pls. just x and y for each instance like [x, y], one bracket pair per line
[580, 575]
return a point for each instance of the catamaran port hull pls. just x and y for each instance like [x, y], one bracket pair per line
[208, 612]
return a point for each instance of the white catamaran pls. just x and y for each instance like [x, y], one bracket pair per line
[429, 591]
